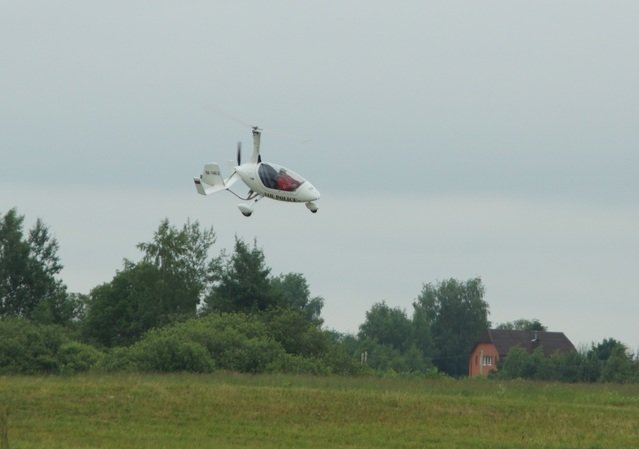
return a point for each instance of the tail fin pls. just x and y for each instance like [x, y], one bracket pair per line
[211, 180]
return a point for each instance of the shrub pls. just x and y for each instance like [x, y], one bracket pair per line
[297, 335]
[167, 353]
[75, 357]
[117, 359]
[234, 342]
[28, 348]
[517, 364]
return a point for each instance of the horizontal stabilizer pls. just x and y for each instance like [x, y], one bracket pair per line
[205, 189]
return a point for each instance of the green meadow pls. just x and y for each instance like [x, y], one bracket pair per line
[225, 410]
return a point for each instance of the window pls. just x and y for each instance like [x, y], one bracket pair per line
[279, 178]
[487, 360]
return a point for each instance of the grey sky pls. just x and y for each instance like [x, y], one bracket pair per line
[449, 139]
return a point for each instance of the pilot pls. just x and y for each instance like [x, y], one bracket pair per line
[286, 182]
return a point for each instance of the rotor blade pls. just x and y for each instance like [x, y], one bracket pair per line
[239, 153]
[233, 118]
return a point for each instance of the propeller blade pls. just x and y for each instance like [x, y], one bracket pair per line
[239, 153]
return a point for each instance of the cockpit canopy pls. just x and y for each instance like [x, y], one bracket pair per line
[276, 177]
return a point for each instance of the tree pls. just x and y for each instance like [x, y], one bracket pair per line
[567, 366]
[609, 361]
[243, 283]
[604, 350]
[296, 321]
[456, 315]
[120, 311]
[29, 267]
[422, 333]
[518, 363]
[343, 354]
[387, 326]
[522, 325]
[167, 285]
[387, 337]
[619, 366]
[295, 332]
[56, 306]
[615, 361]
[16, 295]
[182, 257]
[296, 295]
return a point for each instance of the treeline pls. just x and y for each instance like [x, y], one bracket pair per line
[608, 361]
[179, 309]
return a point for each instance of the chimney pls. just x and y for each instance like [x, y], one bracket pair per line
[535, 337]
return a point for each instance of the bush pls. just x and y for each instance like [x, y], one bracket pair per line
[297, 335]
[167, 353]
[234, 342]
[229, 341]
[617, 365]
[387, 359]
[28, 348]
[518, 364]
[75, 357]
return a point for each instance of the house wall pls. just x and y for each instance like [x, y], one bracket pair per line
[483, 359]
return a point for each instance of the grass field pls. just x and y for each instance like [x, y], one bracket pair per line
[271, 411]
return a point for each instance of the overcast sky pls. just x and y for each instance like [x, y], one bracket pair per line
[497, 139]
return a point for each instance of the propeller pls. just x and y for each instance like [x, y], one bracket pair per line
[239, 153]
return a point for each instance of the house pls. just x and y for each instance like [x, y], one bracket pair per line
[494, 344]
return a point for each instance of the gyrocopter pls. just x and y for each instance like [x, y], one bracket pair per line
[264, 180]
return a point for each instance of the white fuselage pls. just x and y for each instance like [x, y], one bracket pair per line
[277, 182]
[264, 179]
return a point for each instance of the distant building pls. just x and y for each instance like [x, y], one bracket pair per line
[494, 345]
